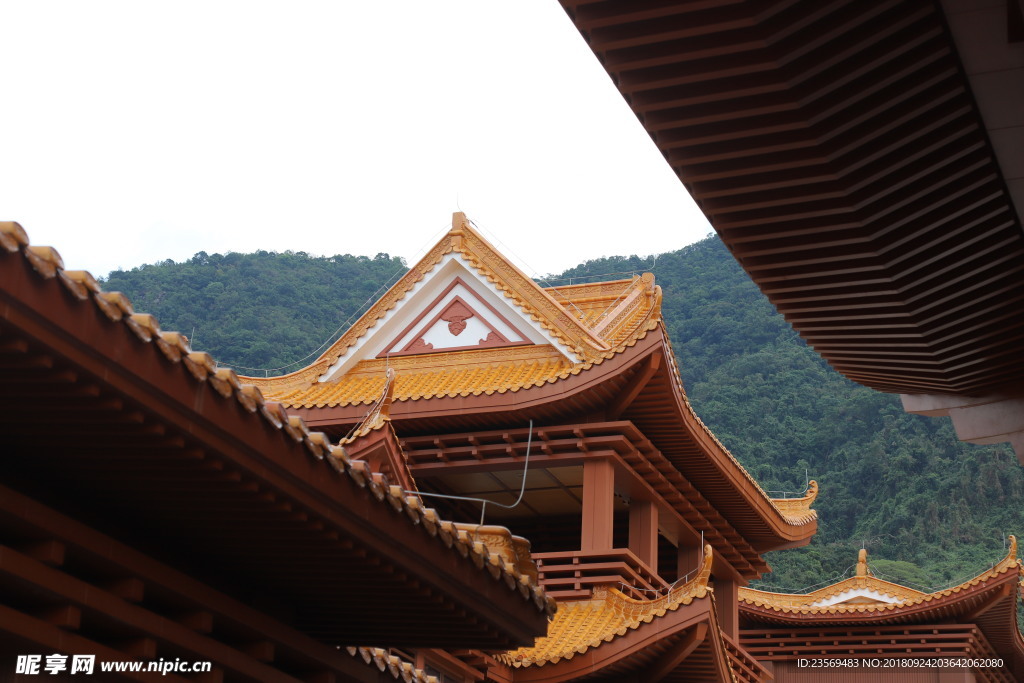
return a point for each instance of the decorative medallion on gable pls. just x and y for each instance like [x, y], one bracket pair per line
[457, 319]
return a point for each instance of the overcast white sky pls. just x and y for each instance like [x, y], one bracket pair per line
[138, 131]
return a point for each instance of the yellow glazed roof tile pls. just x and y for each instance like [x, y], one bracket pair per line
[581, 625]
[805, 603]
[398, 667]
[594, 321]
[798, 510]
[458, 373]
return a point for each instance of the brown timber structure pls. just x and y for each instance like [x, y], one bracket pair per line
[153, 506]
[862, 161]
[971, 627]
[562, 408]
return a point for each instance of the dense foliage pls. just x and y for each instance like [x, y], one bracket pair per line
[262, 310]
[929, 508]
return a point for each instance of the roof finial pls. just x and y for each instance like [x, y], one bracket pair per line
[862, 563]
[458, 231]
[459, 221]
[389, 394]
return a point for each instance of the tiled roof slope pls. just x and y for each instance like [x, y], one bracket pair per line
[905, 598]
[200, 366]
[581, 625]
[459, 373]
[537, 303]
[595, 321]
[798, 510]
[399, 668]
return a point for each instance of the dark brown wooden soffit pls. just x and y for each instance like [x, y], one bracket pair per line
[65, 587]
[114, 423]
[838, 151]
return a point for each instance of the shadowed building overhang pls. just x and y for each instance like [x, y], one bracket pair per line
[862, 161]
[120, 441]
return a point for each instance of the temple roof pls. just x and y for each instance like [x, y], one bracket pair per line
[675, 637]
[393, 664]
[561, 349]
[578, 326]
[798, 510]
[865, 596]
[68, 320]
[866, 616]
[581, 625]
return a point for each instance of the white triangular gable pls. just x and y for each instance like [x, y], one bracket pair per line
[856, 596]
[452, 308]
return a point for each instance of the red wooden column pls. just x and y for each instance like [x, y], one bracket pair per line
[728, 602]
[598, 497]
[687, 559]
[643, 532]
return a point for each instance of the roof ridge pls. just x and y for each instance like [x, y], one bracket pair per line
[515, 285]
[798, 510]
[772, 600]
[619, 614]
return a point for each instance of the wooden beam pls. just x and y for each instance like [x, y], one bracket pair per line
[1000, 594]
[260, 650]
[19, 569]
[65, 616]
[598, 499]
[131, 590]
[668, 662]
[628, 394]
[643, 531]
[201, 622]
[48, 552]
[189, 593]
[15, 626]
[727, 602]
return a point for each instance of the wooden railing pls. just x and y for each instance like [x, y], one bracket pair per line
[574, 573]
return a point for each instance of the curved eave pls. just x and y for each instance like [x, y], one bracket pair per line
[841, 156]
[470, 409]
[801, 602]
[999, 581]
[520, 290]
[798, 510]
[569, 635]
[638, 648]
[990, 601]
[934, 607]
[642, 639]
[766, 525]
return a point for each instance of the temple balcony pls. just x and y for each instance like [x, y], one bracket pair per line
[572, 574]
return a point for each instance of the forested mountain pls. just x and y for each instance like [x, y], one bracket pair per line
[264, 310]
[929, 508]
